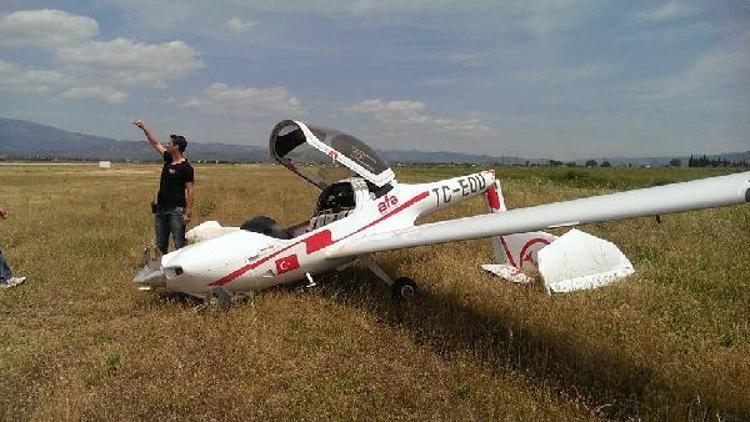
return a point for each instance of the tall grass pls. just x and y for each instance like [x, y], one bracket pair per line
[78, 342]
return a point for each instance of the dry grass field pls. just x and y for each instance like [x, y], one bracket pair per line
[77, 341]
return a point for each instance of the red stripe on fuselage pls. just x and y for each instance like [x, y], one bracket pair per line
[316, 242]
[400, 208]
[234, 274]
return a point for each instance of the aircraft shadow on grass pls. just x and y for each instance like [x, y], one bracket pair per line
[612, 383]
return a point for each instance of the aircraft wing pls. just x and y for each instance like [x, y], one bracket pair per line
[677, 197]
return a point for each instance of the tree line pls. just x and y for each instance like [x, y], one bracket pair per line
[704, 161]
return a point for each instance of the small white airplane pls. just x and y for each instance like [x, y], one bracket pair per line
[362, 209]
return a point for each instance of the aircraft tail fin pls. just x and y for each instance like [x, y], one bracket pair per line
[495, 200]
[518, 250]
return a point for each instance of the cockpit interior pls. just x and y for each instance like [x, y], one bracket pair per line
[330, 160]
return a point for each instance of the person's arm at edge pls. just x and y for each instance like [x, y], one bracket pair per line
[189, 194]
[152, 139]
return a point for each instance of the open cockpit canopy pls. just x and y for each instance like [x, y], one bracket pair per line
[323, 156]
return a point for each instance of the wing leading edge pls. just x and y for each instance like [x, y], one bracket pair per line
[673, 198]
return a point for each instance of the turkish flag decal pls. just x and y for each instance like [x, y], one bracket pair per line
[286, 264]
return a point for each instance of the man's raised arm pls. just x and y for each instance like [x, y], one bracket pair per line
[152, 139]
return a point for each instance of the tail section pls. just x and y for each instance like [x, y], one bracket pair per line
[495, 199]
[518, 250]
[576, 260]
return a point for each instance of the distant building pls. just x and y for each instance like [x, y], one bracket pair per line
[105, 164]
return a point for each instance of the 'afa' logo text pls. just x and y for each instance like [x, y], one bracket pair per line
[388, 202]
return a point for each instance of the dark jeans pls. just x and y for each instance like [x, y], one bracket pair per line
[5, 273]
[166, 221]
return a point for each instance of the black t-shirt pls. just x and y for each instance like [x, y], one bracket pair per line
[172, 184]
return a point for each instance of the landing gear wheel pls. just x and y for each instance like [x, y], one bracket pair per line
[403, 289]
[218, 301]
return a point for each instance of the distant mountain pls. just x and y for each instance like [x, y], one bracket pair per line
[414, 156]
[21, 139]
[28, 140]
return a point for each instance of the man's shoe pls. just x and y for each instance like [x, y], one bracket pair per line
[12, 282]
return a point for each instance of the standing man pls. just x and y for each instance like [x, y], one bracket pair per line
[7, 279]
[174, 203]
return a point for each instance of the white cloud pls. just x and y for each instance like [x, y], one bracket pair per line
[582, 73]
[220, 97]
[83, 68]
[541, 17]
[129, 62]
[101, 93]
[712, 74]
[167, 16]
[15, 78]
[318, 7]
[238, 26]
[412, 113]
[547, 17]
[390, 111]
[45, 28]
[465, 59]
[18, 79]
[668, 11]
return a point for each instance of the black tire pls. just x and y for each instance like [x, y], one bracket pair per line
[404, 289]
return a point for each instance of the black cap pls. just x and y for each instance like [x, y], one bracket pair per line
[180, 141]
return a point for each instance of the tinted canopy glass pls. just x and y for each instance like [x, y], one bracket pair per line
[323, 156]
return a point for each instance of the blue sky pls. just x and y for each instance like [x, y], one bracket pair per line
[536, 78]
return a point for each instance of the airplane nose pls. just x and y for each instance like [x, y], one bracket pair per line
[185, 272]
[186, 261]
[192, 268]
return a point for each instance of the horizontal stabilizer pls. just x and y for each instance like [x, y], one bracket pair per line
[508, 272]
[580, 261]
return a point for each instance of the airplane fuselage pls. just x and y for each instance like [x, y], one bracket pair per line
[243, 261]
